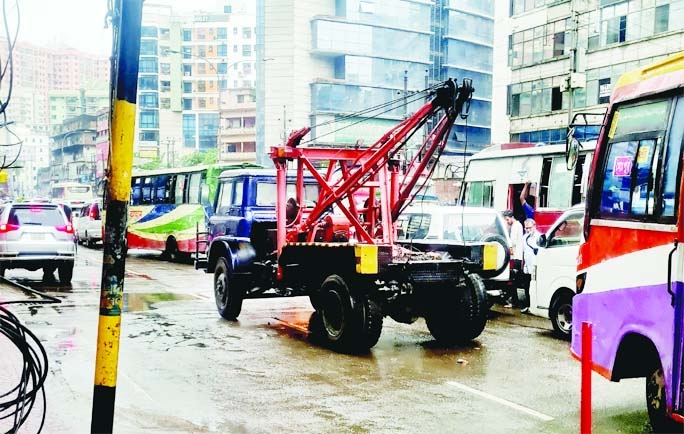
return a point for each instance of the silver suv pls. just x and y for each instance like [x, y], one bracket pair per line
[34, 236]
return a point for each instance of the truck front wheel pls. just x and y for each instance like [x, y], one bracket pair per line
[460, 314]
[228, 297]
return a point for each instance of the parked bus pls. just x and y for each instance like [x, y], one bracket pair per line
[167, 205]
[630, 281]
[495, 177]
[73, 194]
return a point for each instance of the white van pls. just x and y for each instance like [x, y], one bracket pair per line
[553, 281]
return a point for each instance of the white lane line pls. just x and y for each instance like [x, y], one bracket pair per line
[510, 404]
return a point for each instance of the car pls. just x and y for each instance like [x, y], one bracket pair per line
[35, 236]
[452, 224]
[88, 223]
[553, 280]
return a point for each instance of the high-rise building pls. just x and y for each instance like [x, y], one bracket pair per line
[566, 55]
[38, 71]
[195, 83]
[318, 63]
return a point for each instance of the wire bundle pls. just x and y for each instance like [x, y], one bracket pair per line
[17, 403]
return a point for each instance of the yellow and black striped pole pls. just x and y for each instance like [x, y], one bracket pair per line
[126, 18]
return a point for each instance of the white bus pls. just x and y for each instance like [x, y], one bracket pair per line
[73, 194]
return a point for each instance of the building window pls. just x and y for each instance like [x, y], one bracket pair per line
[187, 87]
[165, 103]
[604, 90]
[148, 100]
[558, 44]
[149, 119]
[537, 44]
[221, 33]
[148, 31]
[165, 68]
[147, 82]
[165, 85]
[201, 86]
[187, 103]
[240, 99]
[202, 103]
[148, 136]
[662, 18]
[556, 98]
[246, 50]
[187, 70]
[246, 33]
[616, 29]
[148, 64]
[187, 35]
[148, 47]
[222, 50]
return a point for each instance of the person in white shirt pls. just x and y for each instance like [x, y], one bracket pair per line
[515, 233]
[530, 247]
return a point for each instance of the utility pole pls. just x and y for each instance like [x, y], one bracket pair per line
[574, 18]
[405, 93]
[127, 18]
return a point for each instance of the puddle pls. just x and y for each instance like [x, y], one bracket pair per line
[137, 302]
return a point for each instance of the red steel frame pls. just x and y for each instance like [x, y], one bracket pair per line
[373, 168]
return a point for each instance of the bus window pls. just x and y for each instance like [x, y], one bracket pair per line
[672, 158]
[479, 193]
[147, 190]
[204, 190]
[179, 195]
[136, 192]
[160, 189]
[560, 184]
[194, 188]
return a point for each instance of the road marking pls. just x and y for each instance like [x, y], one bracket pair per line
[510, 404]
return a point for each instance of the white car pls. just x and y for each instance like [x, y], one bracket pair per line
[88, 224]
[553, 282]
[456, 224]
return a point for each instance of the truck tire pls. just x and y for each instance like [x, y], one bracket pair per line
[372, 316]
[337, 311]
[460, 315]
[656, 403]
[560, 314]
[488, 238]
[350, 324]
[228, 297]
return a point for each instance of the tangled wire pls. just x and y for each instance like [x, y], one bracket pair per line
[17, 403]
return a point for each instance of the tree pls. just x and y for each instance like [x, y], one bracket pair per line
[150, 165]
[204, 157]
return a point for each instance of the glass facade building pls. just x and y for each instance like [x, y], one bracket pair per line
[369, 52]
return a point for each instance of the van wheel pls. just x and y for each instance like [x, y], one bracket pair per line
[656, 402]
[560, 313]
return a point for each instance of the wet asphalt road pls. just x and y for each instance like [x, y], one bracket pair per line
[182, 369]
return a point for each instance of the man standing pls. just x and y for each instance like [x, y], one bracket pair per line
[530, 247]
[515, 233]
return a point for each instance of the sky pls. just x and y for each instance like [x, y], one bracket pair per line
[77, 24]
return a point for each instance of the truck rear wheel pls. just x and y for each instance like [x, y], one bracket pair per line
[228, 297]
[350, 324]
[460, 315]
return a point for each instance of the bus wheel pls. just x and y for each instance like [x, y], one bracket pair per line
[228, 297]
[561, 315]
[656, 402]
[171, 249]
[460, 314]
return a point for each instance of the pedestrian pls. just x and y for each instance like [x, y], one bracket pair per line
[527, 201]
[530, 247]
[515, 233]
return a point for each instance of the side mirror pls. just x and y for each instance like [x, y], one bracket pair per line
[572, 146]
[542, 240]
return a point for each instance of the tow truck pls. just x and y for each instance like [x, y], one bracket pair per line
[343, 253]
